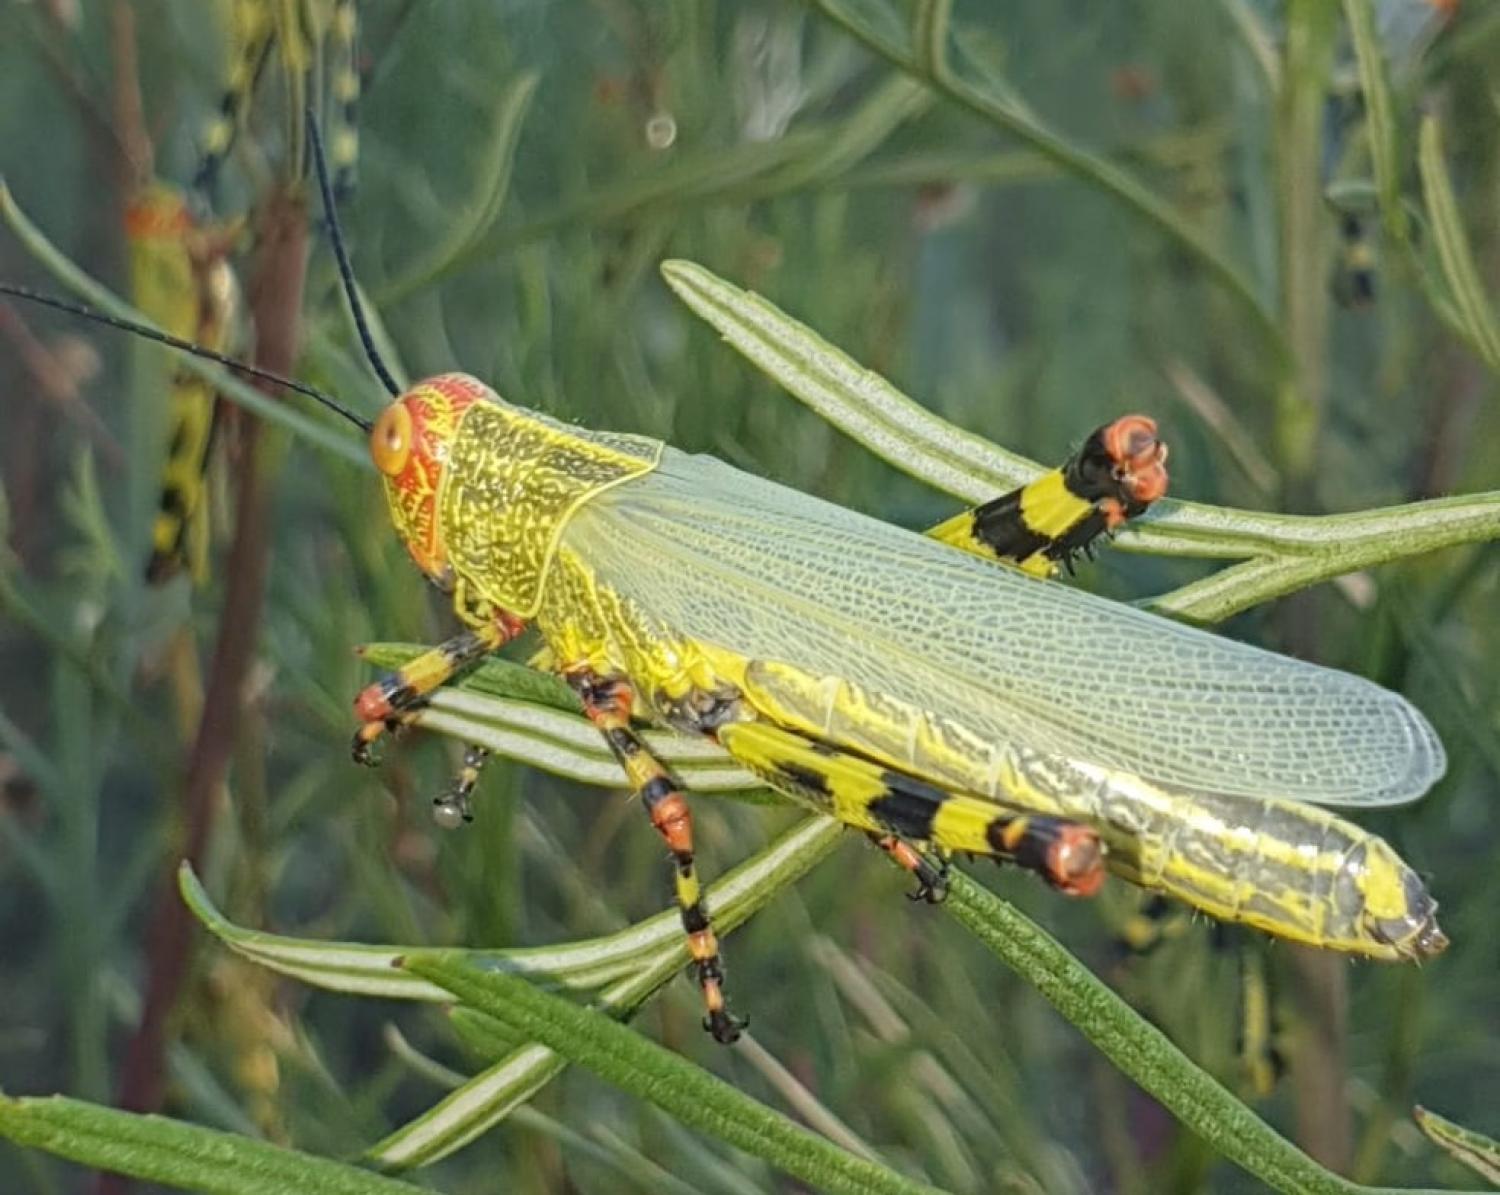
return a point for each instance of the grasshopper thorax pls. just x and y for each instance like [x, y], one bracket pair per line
[480, 490]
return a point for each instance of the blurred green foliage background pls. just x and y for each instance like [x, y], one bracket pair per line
[1004, 290]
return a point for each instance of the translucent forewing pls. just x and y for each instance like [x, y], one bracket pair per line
[713, 555]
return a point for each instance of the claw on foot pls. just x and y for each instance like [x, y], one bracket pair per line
[453, 809]
[725, 1026]
[363, 747]
[932, 884]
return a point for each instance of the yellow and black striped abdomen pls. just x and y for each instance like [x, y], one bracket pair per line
[1044, 524]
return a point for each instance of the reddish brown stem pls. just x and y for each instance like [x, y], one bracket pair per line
[275, 302]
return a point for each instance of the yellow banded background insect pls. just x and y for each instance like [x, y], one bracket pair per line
[181, 277]
[316, 44]
[916, 692]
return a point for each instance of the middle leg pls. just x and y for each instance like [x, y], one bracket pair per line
[607, 703]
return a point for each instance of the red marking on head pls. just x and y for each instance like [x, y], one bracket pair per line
[1075, 861]
[1140, 457]
[409, 444]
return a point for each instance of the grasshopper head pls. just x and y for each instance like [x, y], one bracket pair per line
[410, 444]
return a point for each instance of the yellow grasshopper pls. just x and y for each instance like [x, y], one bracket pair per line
[914, 691]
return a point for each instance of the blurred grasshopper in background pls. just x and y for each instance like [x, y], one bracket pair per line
[914, 691]
[180, 276]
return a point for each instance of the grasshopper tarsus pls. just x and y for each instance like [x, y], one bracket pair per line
[451, 812]
[931, 889]
[725, 1026]
[454, 807]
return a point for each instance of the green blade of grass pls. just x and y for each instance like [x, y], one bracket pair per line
[177, 1154]
[1476, 319]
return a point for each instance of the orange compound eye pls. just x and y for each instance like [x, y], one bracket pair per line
[390, 439]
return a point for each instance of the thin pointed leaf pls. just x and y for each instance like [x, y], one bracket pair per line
[1476, 319]
[475, 213]
[1380, 116]
[473, 1109]
[1287, 552]
[177, 1154]
[1479, 1153]
[636, 962]
[533, 717]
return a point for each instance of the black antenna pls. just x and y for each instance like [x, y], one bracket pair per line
[186, 346]
[341, 255]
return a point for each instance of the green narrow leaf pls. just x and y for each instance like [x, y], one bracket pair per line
[1476, 318]
[853, 140]
[1379, 115]
[469, 1111]
[521, 1071]
[1479, 1153]
[501, 678]
[479, 1104]
[1137, 1047]
[177, 1154]
[369, 970]
[635, 962]
[527, 715]
[629, 1164]
[867, 408]
[1351, 542]
[1287, 552]
[687, 1092]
